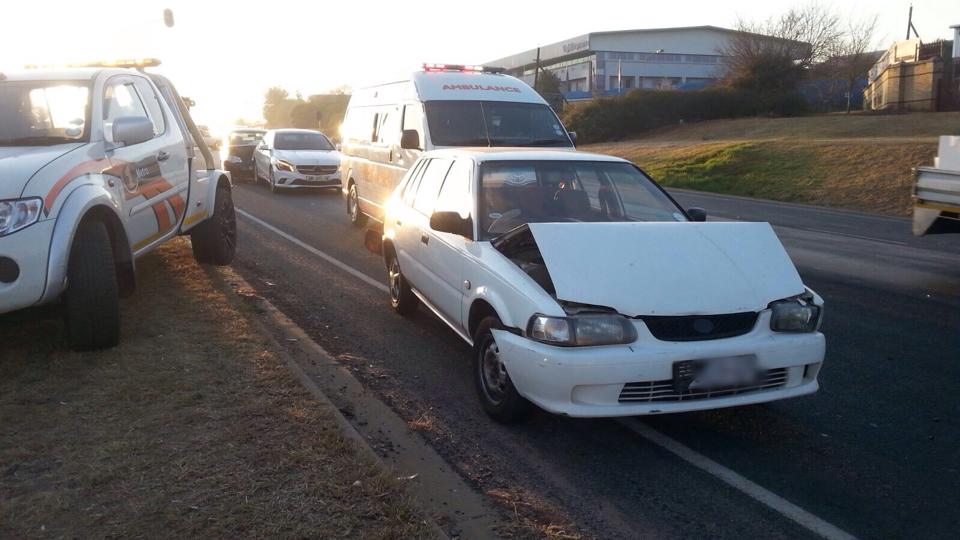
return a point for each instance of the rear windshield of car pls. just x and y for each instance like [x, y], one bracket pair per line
[241, 138]
[494, 123]
[302, 141]
[41, 113]
[513, 193]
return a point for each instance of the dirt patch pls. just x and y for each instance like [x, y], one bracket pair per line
[193, 426]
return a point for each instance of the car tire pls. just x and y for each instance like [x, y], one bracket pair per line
[402, 299]
[92, 299]
[358, 218]
[499, 397]
[215, 240]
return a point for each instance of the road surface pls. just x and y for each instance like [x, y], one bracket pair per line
[875, 454]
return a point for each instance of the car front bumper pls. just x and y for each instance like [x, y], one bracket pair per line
[587, 382]
[28, 249]
[295, 180]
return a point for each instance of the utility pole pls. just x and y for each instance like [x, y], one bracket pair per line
[536, 70]
[619, 76]
[910, 25]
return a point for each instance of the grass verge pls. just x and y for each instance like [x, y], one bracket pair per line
[192, 427]
[871, 175]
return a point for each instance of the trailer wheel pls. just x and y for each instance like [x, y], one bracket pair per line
[92, 299]
[215, 240]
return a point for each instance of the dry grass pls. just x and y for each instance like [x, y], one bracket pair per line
[192, 427]
[859, 162]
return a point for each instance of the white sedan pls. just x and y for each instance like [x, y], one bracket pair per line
[296, 158]
[585, 289]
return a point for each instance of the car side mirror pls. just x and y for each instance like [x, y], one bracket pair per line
[573, 136]
[410, 140]
[130, 130]
[697, 214]
[452, 222]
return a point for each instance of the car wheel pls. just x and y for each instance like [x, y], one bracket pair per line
[215, 240]
[402, 299]
[499, 397]
[358, 218]
[92, 300]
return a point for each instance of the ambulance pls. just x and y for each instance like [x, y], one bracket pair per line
[388, 126]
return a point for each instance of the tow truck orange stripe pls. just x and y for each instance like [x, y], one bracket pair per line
[98, 166]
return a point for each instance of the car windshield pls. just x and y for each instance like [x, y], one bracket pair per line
[242, 138]
[494, 123]
[40, 113]
[513, 193]
[302, 140]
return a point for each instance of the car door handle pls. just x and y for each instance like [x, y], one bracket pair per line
[425, 238]
[163, 156]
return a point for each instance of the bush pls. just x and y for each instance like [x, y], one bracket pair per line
[614, 118]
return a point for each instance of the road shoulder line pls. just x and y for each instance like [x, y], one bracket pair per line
[739, 482]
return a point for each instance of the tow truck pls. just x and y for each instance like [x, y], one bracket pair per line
[99, 165]
[936, 193]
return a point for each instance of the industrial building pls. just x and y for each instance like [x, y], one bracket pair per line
[605, 63]
[916, 76]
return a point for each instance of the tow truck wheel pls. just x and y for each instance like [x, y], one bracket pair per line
[499, 397]
[92, 300]
[215, 240]
[402, 299]
[358, 218]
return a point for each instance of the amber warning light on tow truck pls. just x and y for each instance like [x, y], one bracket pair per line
[138, 63]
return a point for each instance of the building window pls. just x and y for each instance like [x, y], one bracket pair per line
[627, 82]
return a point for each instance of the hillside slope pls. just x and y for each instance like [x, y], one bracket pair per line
[860, 162]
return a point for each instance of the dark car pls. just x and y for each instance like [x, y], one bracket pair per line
[241, 143]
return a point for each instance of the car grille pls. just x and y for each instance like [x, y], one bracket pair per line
[657, 391]
[316, 169]
[299, 182]
[700, 327]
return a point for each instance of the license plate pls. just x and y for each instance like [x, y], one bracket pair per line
[314, 178]
[712, 373]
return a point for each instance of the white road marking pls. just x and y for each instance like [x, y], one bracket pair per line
[330, 259]
[762, 495]
[733, 479]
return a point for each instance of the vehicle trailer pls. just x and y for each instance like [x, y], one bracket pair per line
[936, 194]
[99, 166]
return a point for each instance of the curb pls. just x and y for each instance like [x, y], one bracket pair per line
[438, 488]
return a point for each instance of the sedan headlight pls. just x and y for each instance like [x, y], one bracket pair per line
[798, 314]
[18, 214]
[581, 330]
[285, 166]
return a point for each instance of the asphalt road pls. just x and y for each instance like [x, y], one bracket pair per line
[876, 453]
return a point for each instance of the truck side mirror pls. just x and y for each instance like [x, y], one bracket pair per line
[130, 130]
[410, 140]
[697, 214]
[452, 222]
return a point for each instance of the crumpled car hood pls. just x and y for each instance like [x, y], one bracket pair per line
[19, 163]
[667, 268]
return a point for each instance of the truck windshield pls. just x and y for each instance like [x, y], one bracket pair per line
[513, 193]
[42, 113]
[494, 123]
[302, 140]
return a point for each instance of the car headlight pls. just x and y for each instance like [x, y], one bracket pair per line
[19, 214]
[284, 166]
[797, 314]
[582, 330]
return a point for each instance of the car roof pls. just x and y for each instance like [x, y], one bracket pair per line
[482, 154]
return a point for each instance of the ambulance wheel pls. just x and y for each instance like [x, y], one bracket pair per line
[215, 240]
[92, 299]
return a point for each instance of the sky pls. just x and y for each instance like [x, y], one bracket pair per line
[225, 54]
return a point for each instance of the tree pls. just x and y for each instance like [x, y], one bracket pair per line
[852, 56]
[548, 82]
[305, 115]
[770, 58]
[276, 110]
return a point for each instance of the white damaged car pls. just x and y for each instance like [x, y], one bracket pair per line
[584, 289]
